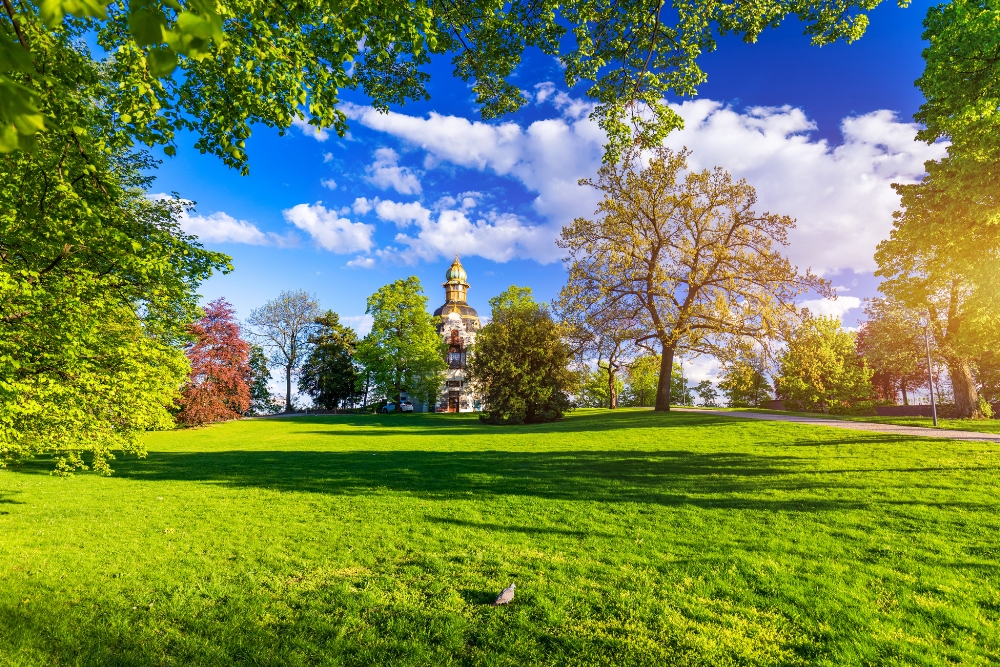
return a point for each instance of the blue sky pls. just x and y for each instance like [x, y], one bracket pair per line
[821, 132]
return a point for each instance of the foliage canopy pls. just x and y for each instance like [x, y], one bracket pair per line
[520, 362]
[687, 254]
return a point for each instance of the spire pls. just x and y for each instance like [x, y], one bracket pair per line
[455, 284]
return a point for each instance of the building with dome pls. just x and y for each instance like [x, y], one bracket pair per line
[457, 322]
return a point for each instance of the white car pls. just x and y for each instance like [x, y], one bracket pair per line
[404, 406]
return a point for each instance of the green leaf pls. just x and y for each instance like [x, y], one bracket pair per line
[53, 11]
[161, 61]
[14, 57]
[147, 25]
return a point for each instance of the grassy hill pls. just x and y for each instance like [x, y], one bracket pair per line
[634, 538]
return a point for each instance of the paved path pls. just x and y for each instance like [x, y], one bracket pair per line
[895, 429]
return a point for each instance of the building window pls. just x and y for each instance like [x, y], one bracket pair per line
[454, 383]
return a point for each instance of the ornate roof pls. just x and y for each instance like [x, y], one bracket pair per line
[456, 274]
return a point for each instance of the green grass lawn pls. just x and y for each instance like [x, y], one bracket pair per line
[976, 425]
[634, 538]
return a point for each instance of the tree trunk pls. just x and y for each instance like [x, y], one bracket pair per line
[612, 390]
[288, 388]
[964, 388]
[902, 386]
[663, 383]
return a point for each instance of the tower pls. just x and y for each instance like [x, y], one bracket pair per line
[457, 323]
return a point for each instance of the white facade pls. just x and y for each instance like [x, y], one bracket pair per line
[458, 323]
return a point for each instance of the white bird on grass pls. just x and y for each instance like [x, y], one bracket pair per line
[506, 595]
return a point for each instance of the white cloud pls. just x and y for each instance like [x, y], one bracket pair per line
[841, 196]
[385, 173]
[569, 107]
[362, 206]
[220, 227]
[496, 236]
[402, 214]
[327, 157]
[308, 130]
[362, 324]
[329, 230]
[329, 183]
[361, 262]
[831, 307]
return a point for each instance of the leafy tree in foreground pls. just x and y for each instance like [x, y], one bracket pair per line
[821, 371]
[687, 250]
[744, 385]
[329, 375]
[285, 325]
[403, 352]
[217, 388]
[928, 271]
[520, 362]
[218, 68]
[97, 282]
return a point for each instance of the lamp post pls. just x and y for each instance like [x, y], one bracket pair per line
[930, 374]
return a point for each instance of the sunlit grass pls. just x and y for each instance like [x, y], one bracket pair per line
[634, 538]
[975, 425]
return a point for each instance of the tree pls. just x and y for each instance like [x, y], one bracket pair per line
[820, 369]
[329, 374]
[258, 379]
[403, 352]
[599, 390]
[599, 331]
[98, 283]
[961, 88]
[520, 362]
[686, 250]
[217, 388]
[892, 343]
[929, 269]
[642, 378]
[632, 56]
[284, 326]
[707, 393]
[744, 384]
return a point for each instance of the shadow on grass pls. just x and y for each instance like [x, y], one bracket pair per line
[528, 530]
[710, 480]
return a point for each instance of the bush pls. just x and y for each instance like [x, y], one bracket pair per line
[520, 363]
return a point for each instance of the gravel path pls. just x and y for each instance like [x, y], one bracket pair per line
[918, 431]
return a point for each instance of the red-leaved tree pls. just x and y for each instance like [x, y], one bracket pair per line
[217, 389]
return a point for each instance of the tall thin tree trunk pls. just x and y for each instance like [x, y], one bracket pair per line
[964, 388]
[288, 388]
[902, 386]
[663, 383]
[612, 390]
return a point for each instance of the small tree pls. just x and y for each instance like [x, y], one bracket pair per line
[642, 379]
[403, 351]
[744, 384]
[259, 379]
[821, 370]
[217, 388]
[329, 375]
[707, 393]
[520, 362]
[283, 326]
[596, 388]
[892, 344]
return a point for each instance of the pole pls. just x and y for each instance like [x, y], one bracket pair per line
[683, 384]
[930, 377]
